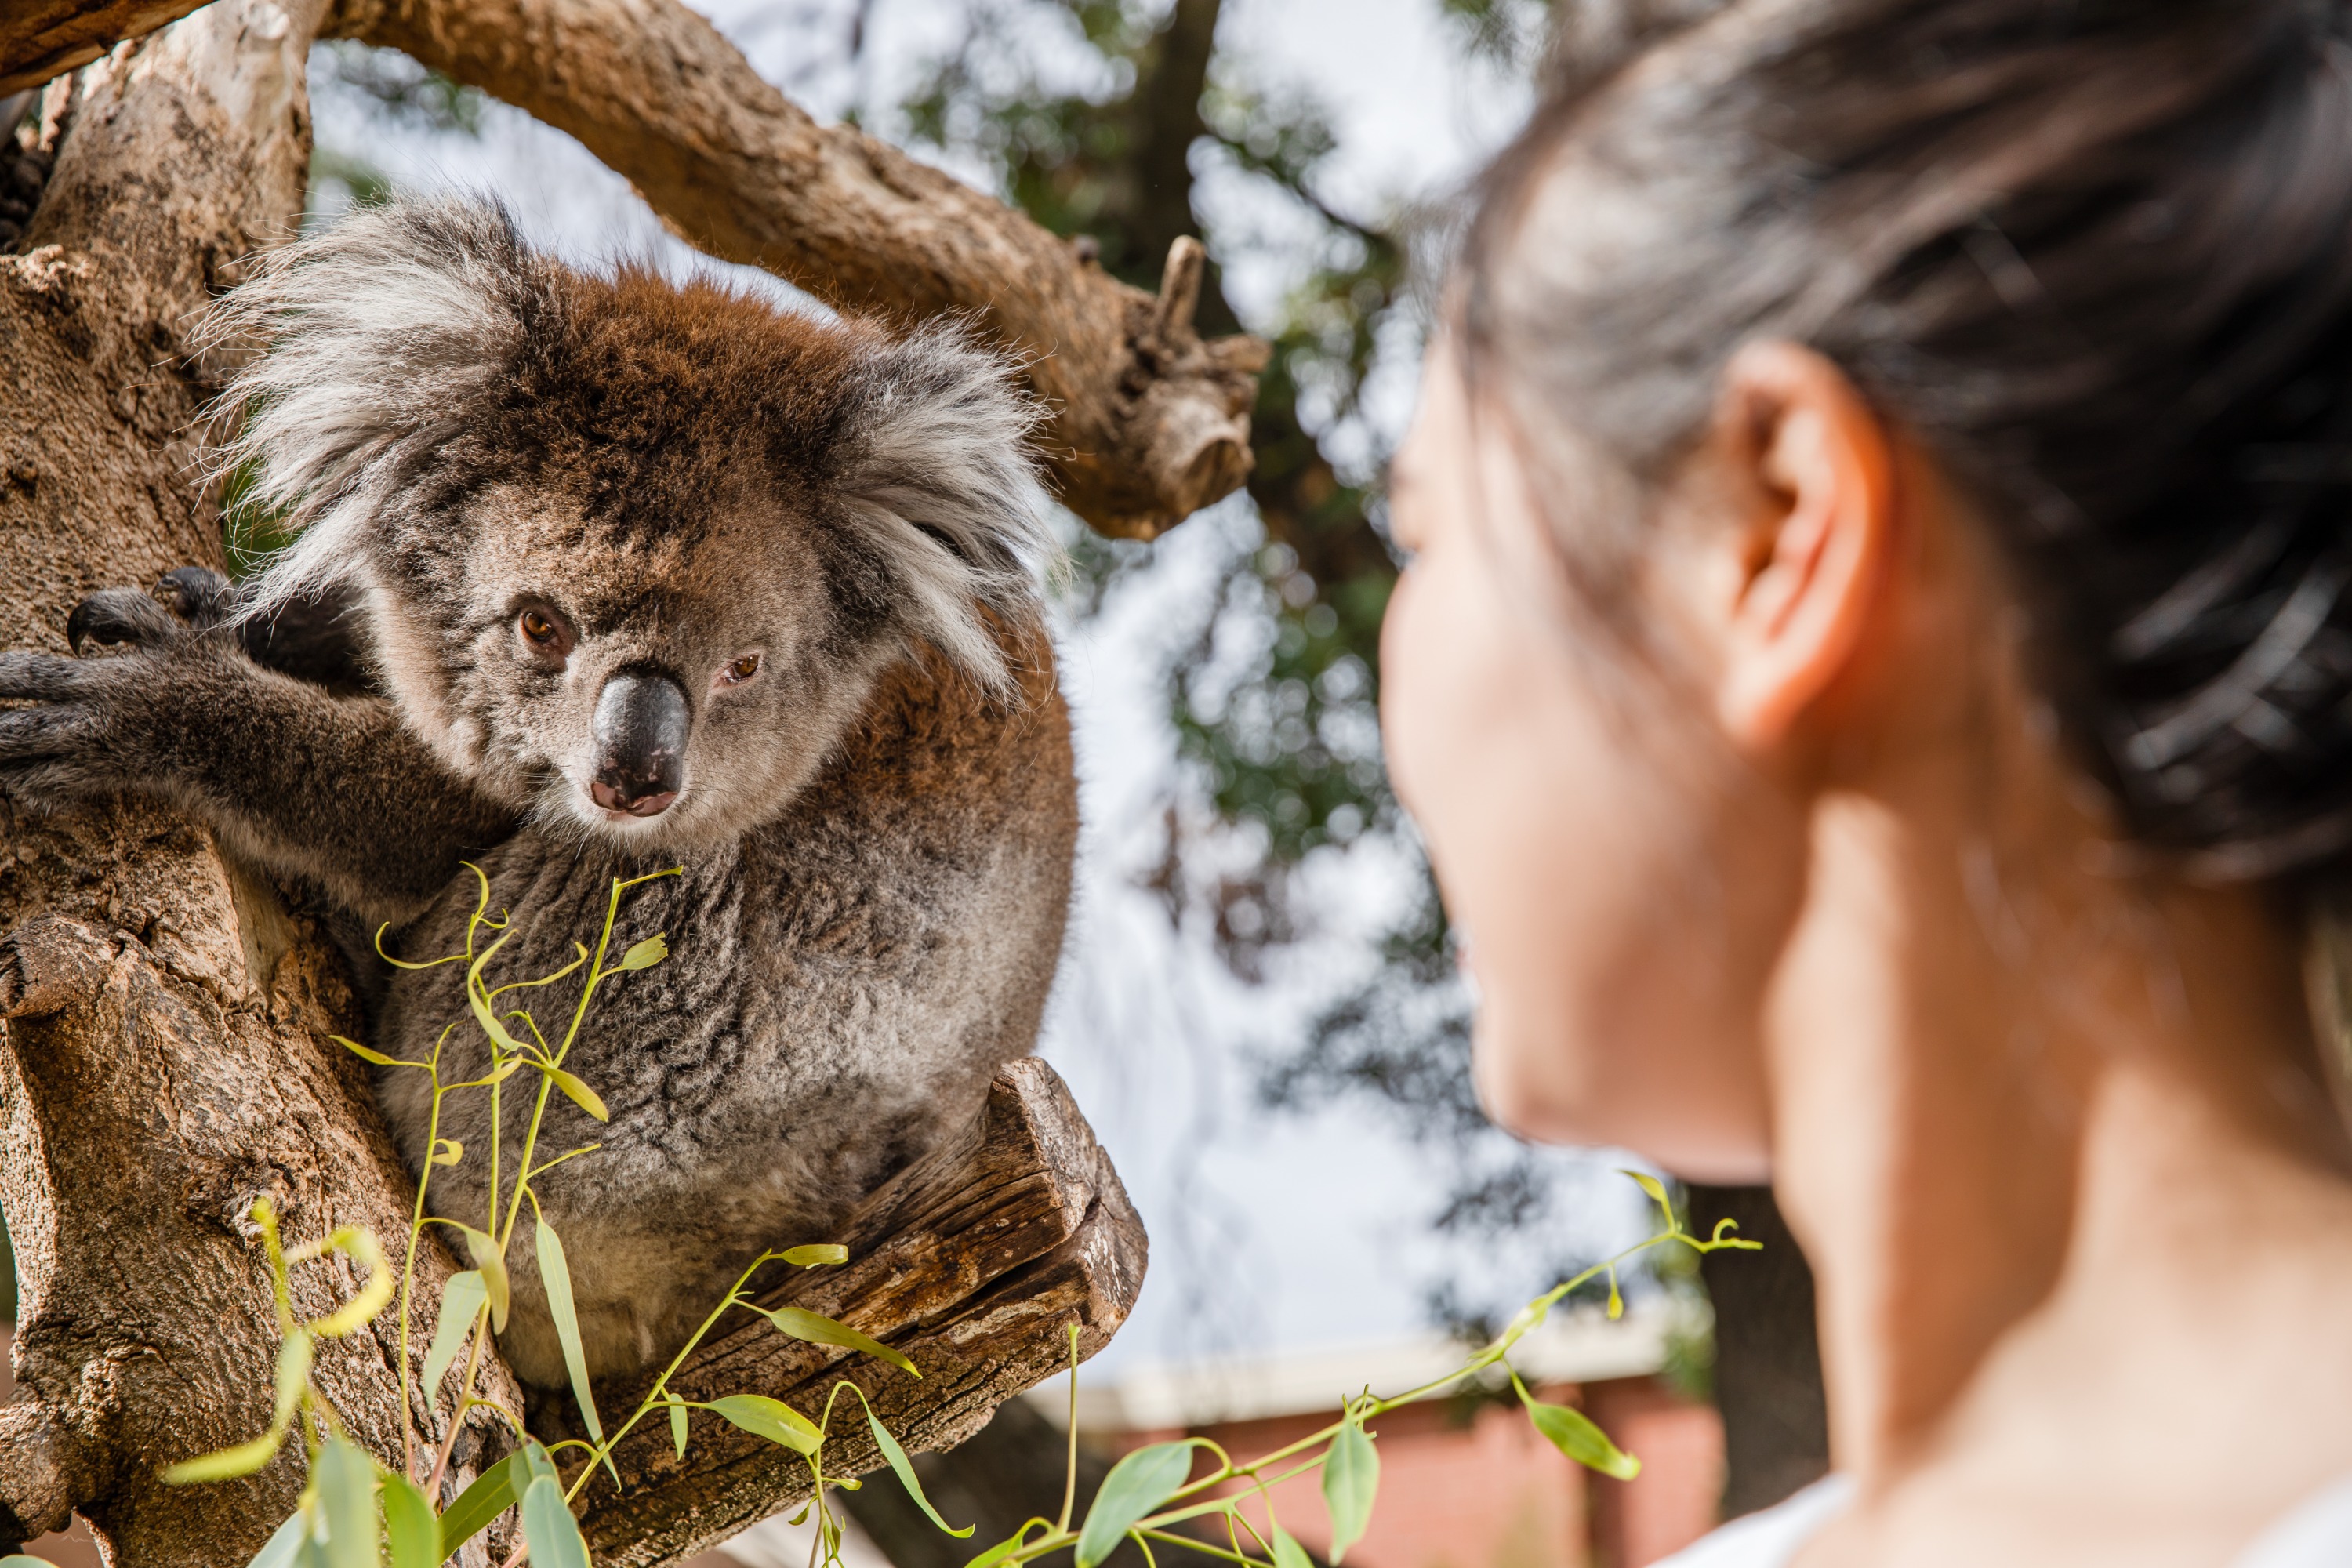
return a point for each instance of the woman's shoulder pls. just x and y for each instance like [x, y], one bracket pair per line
[1770, 1538]
[2316, 1534]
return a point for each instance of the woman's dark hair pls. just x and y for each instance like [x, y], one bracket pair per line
[2096, 255]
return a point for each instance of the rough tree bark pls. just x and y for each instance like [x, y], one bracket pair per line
[39, 38]
[164, 1059]
[163, 1017]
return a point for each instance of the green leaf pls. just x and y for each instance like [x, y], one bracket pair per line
[1136, 1485]
[18, 1560]
[772, 1420]
[461, 1301]
[823, 1331]
[1616, 1299]
[1351, 1479]
[579, 1093]
[555, 1278]
[278, 1552]
[365, 1053]
[646, 954]
[226, 1464]
[817, 1252]
[1573, 1434]
[1287, 1552]
[293, 1376]
[1003, 1549]
[487, 1258]
[548, 1525]
[1657, 1190]
[899, 1466]
[346, 1481]
[409, 1525]
[678, 1428]
[492, 1493]
[536, 1462]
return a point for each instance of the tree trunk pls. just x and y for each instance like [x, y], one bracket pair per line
[39, 38]
[1768, 1359]
[166, 1061]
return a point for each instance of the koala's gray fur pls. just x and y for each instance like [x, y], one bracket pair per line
[876, 826]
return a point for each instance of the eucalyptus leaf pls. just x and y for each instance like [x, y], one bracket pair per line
[770, 1418]
[365, 1053]
[549, 1527]
[446, 1151]
[293, 1377]
[678, 1428]
[487, 1258]
[18, 1560]
[899, 1466]
[1135, 1486]
[1574, 1434]
[647, 953]
[346, 1481]
[1287, 1552]
[822, 1330]
[1351, 1480]
[278, 1552]
[226, 1464]
[817, 1252]
[461, 1301]
[555, 1279]
[1001, 1550]
[409, 1527]
[492, 1493]
[1657, 1190]
[579, 1093]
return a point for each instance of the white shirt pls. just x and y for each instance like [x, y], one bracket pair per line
[2317, 1534]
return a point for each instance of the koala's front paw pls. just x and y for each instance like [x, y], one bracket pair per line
[76, 743]
[191, 598]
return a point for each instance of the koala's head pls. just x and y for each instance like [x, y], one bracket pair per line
[632, 552]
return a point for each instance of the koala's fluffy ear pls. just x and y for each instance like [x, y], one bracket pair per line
[936, 465]
[381, 334]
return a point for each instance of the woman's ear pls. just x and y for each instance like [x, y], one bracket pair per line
[1815, 471]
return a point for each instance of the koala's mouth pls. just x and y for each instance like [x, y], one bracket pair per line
[618, 806]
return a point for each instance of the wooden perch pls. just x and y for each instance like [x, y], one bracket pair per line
[39, 38]
[1148, 421]
[975, 1262]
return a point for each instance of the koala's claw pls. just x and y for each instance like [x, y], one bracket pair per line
[119, 616]
[197, 594]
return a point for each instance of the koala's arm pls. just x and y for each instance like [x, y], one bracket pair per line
[327, 788]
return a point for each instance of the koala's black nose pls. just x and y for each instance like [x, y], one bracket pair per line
[640, 731]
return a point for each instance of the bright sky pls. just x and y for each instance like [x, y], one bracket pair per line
[1268, 1232]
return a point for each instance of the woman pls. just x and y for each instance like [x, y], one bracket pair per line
[1875, 676]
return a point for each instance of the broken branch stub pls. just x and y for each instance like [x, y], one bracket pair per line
[1147, 422]
[975, 1262]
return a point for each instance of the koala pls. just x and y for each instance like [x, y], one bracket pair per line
[594, 575]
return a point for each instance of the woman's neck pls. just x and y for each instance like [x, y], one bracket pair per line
[2014, 1096]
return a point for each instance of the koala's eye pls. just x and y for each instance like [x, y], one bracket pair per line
[741, 670]
[542, 630]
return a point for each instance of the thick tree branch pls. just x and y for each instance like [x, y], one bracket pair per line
[40, 39]
[1149, 422]
[976, 1262]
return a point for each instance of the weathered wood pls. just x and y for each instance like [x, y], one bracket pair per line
[975, 1262]
[1149, 422]
[41, 38]
[163, 1059]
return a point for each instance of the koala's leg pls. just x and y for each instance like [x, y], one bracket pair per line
[332, 789]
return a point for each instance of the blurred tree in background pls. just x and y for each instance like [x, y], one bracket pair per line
[1283, 740]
